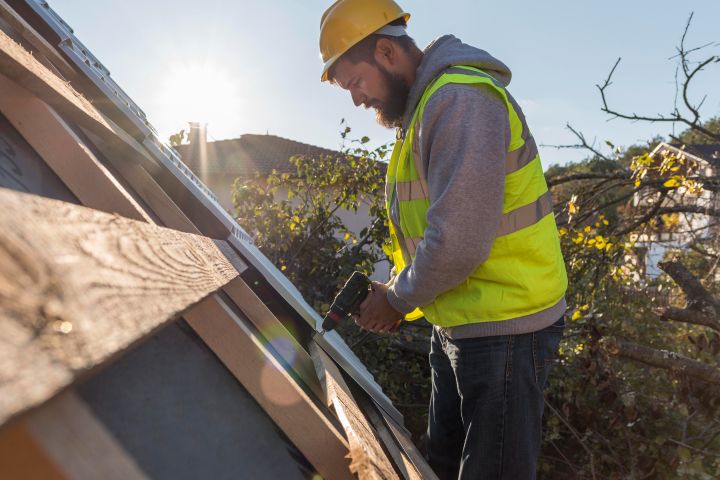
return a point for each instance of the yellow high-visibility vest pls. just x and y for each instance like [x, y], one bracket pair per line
[525, 272]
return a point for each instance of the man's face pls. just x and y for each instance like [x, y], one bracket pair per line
[373, 86]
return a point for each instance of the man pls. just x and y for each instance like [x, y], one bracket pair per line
[475, 245]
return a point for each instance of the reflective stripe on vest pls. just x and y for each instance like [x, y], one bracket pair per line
[525, 272]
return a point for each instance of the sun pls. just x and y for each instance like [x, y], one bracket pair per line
[200, 92]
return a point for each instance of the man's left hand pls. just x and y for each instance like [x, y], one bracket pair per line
[376, 313]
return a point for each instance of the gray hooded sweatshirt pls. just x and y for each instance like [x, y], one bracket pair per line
[462, 142]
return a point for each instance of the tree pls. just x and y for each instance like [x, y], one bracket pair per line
[638, 390]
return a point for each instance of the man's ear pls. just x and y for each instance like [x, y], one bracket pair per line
[386, 53]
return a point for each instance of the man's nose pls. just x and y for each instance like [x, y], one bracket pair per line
[358, 98]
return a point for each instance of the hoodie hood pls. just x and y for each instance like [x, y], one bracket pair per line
[446, 52]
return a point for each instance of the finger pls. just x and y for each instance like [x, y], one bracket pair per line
[365, 302]
[362, 320]
[373, 326]
[391, 327]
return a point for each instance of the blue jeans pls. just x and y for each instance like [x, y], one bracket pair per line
[486, 406]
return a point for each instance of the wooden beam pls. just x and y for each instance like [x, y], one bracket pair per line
[245, 355]
[369, 460]
[411, 454]
[78, 442]
[65, 153]
[78, 286]
[401, 461]
[19, 65]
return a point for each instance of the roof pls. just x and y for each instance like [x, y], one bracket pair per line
[250, 154]
[711, 153]
[698, 152]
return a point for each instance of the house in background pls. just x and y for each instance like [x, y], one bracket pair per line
[681, 228]
[219, 163]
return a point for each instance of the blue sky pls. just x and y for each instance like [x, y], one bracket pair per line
[261, 63]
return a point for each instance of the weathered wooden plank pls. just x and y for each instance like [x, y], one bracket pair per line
[369, 460]
[401, 461]
[19, 65]
[411, 454]
[244, 354]
[78, 443]
[65, 153]
[78, 286]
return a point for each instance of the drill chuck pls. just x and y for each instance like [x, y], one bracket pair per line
[348, 300]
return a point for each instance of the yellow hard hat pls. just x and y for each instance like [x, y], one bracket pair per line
[347, 22]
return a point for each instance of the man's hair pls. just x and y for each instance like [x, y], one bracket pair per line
[364, 50]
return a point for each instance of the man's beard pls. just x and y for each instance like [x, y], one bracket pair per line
[390, 112]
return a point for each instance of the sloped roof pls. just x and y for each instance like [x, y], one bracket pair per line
[711, 153]
[708, 153]
[250, 154]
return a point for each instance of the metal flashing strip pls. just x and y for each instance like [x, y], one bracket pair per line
[171, 163]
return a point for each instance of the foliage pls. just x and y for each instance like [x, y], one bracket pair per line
[180, 138]
[608, 417]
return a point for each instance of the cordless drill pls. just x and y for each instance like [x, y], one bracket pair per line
[348, 300]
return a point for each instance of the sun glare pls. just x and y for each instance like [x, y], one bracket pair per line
[200, 93]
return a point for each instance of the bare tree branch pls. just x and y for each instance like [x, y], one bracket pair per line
[694, 317]
[661, 359]
[699, 298]
[675, 116]
[584, 145]
[620, 174]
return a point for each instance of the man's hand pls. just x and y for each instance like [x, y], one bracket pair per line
[376, 313]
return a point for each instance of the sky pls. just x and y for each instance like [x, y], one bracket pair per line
[254, 67]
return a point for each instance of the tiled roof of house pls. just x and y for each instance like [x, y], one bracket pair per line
[250, 154]
[709, 153]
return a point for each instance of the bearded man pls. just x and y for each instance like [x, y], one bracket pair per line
[474, 240]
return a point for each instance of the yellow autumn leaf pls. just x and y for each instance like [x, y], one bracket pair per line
[576, 315]
[673, 182]
[346, 237]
